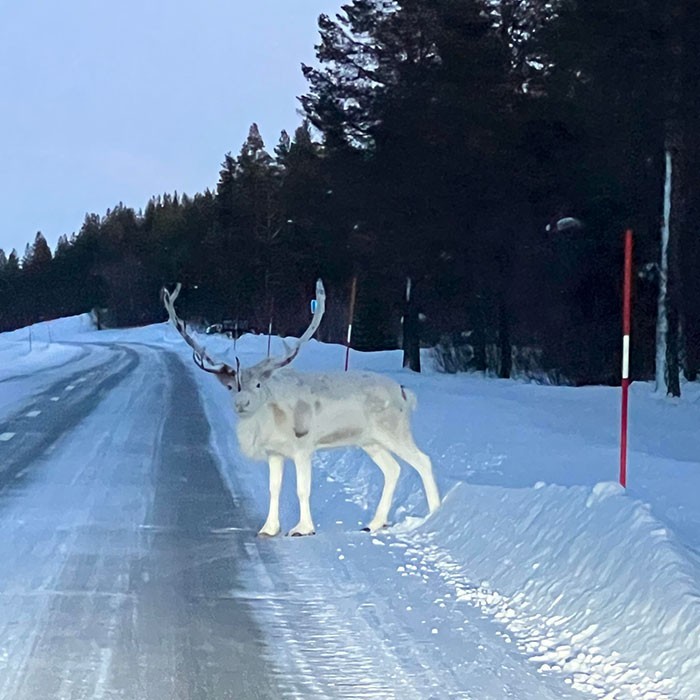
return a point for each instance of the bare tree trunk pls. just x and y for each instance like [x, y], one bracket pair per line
[411, 330]
[504, 345]
[506, 359]
[675, 204]
[673, 291]
[662, 315]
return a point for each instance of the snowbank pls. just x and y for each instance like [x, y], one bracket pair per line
[49, 331]
[587, 581]
[41, 345]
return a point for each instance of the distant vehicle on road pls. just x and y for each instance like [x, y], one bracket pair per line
[230, 328]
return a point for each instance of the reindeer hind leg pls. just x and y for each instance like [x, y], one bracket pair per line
[407, 450]
[391, 470]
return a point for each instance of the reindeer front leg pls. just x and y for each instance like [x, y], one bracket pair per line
[272, 524]
[305, 526]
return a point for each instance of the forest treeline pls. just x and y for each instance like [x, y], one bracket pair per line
[491, 151]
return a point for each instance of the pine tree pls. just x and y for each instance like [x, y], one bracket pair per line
[38, 255]
[63, 245]
[414, 103]
[12, 266]
[282, 148]
[247, 228]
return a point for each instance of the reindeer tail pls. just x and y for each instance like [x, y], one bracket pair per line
[409, 397]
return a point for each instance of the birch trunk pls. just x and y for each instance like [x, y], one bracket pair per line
[662, 317]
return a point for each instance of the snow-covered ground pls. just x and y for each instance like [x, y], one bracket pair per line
[537, 578]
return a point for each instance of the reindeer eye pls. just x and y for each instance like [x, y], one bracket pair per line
[257, 386]
[230, 388]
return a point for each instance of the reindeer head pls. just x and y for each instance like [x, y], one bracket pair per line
[249, 384]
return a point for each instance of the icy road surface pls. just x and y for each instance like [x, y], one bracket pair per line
[130, 570]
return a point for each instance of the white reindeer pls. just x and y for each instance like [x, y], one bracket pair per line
[287, 414]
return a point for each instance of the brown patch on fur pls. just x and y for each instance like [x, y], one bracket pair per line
[339, 436]
[302, 419]
[279, 415]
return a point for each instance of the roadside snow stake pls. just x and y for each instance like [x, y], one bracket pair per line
[351, 314]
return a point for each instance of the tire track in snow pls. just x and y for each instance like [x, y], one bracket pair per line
[369, 617]
[33, 436]
[328, 642]
[44, 525]
[84, 352]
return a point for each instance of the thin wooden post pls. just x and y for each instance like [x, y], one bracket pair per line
[269, 327]
[353, 295]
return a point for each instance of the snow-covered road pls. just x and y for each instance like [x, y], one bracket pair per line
[113, 582]
[67, 394]
[131, 570]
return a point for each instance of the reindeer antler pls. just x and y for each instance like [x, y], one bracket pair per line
[291, 353]
[199, 353]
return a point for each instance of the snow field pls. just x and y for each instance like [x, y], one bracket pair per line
[599, 588]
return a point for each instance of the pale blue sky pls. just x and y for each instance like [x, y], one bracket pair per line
[107, 101]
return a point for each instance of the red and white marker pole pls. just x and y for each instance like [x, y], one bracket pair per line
[626, 325]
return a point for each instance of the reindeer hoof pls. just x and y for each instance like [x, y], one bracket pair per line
[301, 534]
